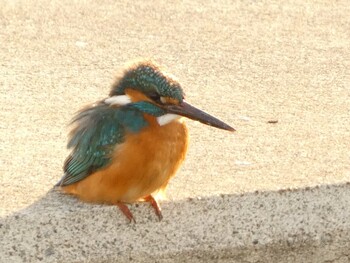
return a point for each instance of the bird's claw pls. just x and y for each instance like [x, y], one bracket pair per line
[155, 205]
[126, 211]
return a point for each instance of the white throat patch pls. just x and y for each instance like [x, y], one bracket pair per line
[167, 118]
[119, 100]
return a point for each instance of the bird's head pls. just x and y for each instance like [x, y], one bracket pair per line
[146, 84]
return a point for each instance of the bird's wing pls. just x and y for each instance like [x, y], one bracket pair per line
[98, 129]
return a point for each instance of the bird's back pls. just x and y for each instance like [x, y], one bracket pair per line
[141, 165]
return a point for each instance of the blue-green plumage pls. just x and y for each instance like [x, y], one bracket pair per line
[149, 79]
[99, 128]
[142, 90]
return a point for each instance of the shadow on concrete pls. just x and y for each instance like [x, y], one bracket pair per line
[277, 226]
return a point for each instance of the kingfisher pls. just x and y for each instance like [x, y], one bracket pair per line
[126, 148]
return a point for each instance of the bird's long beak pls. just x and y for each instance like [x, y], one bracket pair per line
[187, 110]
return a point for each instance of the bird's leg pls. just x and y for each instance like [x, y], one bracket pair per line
[124, 208]
[155, 205]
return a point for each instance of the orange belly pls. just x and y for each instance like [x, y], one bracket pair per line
[140, 166]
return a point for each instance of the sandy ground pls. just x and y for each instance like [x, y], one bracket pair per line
[246, 62]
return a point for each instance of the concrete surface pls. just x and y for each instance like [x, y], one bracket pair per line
[285, 226]
[247, 62]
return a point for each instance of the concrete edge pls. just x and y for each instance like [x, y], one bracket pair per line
[303, 225]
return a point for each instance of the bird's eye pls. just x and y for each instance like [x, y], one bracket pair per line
[154, 96]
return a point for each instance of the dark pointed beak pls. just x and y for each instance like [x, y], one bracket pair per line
[187, 110]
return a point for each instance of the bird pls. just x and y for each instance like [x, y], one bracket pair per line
[126, 147]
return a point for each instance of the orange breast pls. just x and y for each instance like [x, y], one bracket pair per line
[140, 166]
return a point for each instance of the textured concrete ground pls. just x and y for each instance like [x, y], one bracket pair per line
[246, 62]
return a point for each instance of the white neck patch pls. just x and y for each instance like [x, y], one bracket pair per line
[119, 100]
[167, 118]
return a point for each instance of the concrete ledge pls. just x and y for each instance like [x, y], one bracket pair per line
[304, 225]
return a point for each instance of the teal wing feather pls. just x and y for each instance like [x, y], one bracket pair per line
[98, 129]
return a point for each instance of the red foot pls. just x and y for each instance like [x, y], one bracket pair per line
[124, 208]
[155, 205]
